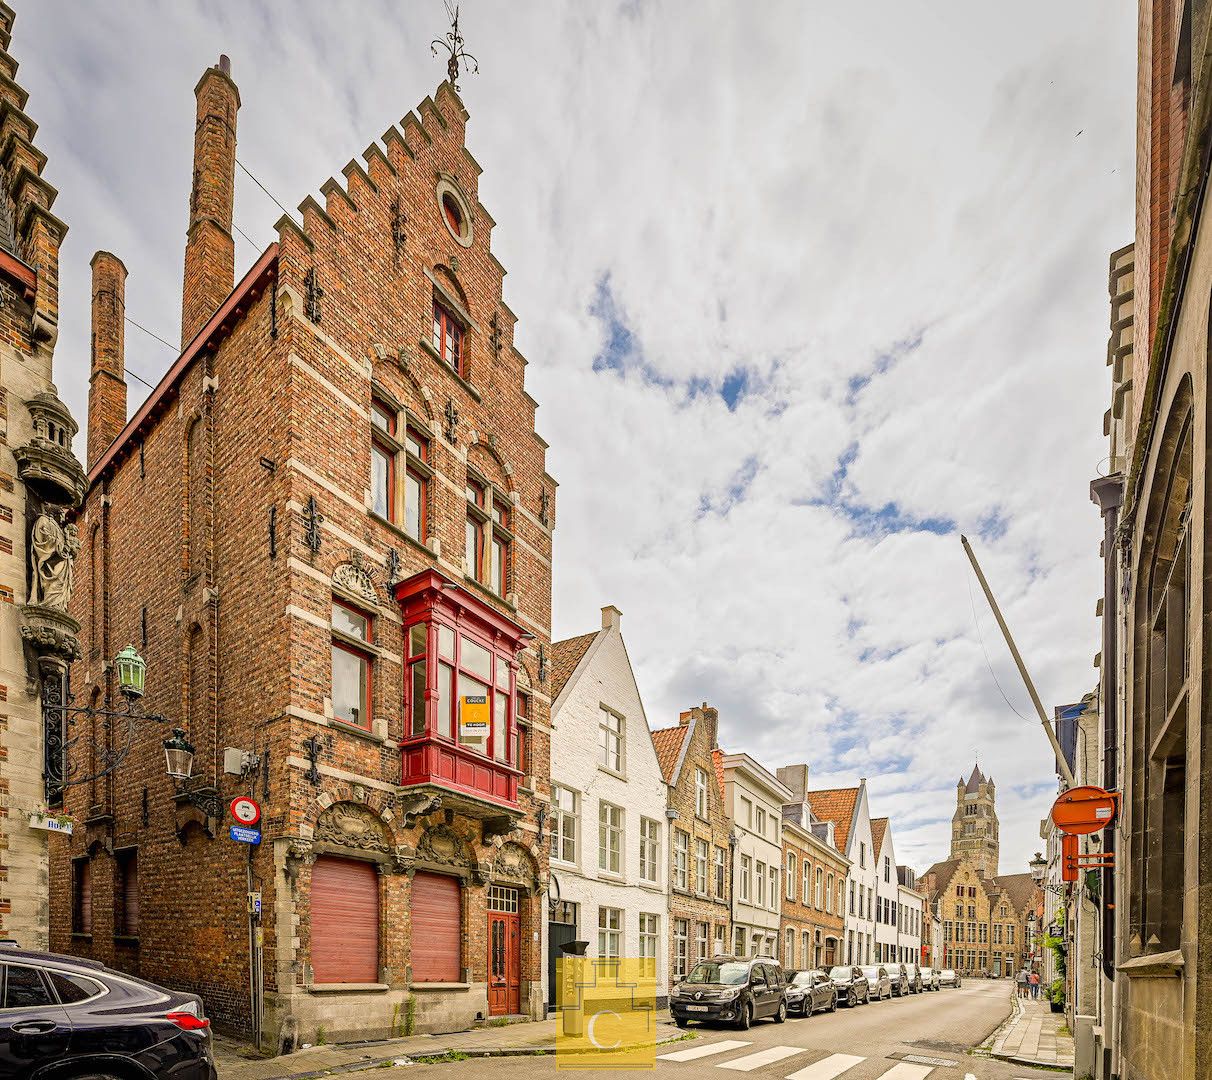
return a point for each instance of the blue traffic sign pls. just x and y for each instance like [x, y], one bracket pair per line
[245, 836]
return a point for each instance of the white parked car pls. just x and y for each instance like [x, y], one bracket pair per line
[949, 977]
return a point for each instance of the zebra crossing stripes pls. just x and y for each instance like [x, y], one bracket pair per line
[903, 1070]
[695, 1052]
[827, 1068]
[763, 1057]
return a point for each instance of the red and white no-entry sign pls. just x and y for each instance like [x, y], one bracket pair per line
[245, 810]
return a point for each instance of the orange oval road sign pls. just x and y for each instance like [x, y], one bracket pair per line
[1082, 810]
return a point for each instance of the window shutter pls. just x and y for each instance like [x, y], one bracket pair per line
[435, 928]
[344, 921]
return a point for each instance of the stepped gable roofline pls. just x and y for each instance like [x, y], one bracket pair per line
[879, 829]
[670, 743]
[1020, 888]
[837, 805]
[566, 657]
[217, 327]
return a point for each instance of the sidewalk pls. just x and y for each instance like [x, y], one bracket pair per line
[532, 1038]
[1032, 1036]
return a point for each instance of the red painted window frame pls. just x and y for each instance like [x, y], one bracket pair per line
[448, 334]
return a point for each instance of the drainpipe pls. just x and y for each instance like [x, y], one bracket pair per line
[1108, 493]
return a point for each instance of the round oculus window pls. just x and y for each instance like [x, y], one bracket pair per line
[455, 213]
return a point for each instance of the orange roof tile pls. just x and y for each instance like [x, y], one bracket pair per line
[565, 655]
[879, 826]
[836, 805]
[668, 743]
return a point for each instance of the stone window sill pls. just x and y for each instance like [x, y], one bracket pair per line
[1166, 965]
[346, 988]
[418, 987]
[126, 939]
[411, 541]
[357, 732]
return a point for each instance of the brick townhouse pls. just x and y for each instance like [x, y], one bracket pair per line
[814, 881]
[328, 529]
[700, 839]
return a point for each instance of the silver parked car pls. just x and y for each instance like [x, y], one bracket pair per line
[879, 980]
[851, 983]
[913, 974]
[930, 979]
[900, 980]
[949, 977]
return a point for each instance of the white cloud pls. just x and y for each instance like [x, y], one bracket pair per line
[786, 189]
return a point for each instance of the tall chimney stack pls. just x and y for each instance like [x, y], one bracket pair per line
[210, 254]
[107, 382]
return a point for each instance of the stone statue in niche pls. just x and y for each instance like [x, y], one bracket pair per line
[53, 551]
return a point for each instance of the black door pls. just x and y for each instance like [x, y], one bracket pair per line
[558, 933]
[34, 1028]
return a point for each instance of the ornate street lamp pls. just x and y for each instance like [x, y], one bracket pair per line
[1038, 866]
[179, 755]
[111, 733]
[131, 669]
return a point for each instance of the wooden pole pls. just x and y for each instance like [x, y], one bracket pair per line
[1061, 762]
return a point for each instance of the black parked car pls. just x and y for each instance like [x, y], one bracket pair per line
[731, 989]
[852, 985]
[809, 992]
[62, 1016]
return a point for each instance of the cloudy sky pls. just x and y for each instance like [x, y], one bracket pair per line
[807, 289]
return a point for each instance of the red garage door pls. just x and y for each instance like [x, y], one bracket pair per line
[344, 921]
[435, 928]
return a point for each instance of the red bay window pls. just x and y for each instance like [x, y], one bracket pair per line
[460, 690]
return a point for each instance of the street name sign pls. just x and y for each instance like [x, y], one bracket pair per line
[245, 836]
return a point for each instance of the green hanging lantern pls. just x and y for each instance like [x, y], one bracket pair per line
[132, 671]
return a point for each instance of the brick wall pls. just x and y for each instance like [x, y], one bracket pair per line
[273, 411]
[715, 828]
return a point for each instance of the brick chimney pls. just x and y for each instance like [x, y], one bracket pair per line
[796, 778]
[709, 716]
[107, 382]
[210, 254]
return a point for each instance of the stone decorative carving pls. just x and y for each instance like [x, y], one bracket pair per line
[53, 551]
[351, 826]
[49, 632]
[354, 578]
[46, 463]
[442, 844]
[514, 863]
[499, 829]
[417, 805]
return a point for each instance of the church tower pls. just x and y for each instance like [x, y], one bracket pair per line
[974, 825]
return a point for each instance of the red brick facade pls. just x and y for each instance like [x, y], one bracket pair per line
[236, 507]
[813, 913]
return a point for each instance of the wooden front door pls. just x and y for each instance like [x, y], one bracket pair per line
[504, 952]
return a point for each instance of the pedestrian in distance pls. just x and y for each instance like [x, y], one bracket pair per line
[1034, 985]
[1022, 983]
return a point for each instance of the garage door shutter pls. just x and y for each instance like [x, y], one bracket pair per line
[344, 921]
[435, 928]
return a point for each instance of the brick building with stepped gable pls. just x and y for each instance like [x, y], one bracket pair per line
[328, 529]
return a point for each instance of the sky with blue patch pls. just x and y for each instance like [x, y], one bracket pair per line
[804, 296]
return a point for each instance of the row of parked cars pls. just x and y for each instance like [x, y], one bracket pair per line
[738, 991]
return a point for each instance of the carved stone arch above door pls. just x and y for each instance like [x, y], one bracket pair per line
[349, 827]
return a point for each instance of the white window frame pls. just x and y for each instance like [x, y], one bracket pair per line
[681, 859]
[791, 875]
[610, 933]
[610, 829]
[702, 866]
[774, 887]
[701, 804]
[681, 948]
[650, 937]
[759, 873]
[650, 850]
[719, 860]
[558, 818]
[818, 888]
[746, 875]
[612, 744]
